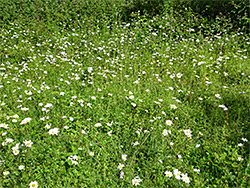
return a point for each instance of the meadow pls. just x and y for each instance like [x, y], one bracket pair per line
[89, 98]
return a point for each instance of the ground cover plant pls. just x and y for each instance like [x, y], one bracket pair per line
[103, 97]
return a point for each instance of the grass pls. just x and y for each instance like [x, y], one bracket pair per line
[110, 89]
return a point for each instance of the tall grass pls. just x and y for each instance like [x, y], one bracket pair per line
[92, 98]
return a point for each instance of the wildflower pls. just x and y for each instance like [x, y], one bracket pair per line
[133, 104]
[33, 184]
[75, 157]
[240, 159]
[197, 145]
[48, 126]
[24, 109]
[136, 143]
[218, 96]
[172, 76]
[90, 69]
[6, 173]
[185, 178]
[177, 174]
[166, 132]
[74, 162]
[121, 175]
[124, 157]
[197, 170]
[98, 125]
[240, 144]
[16, 152]
[14, 120]
[21, 167]
[168, 174]
[169, 122]
[179, 75]
[172, 106]
[110, 124]
[244, 139]
[4, 125]
[15, 116]
[120, 166]
[187, 131]
[109, 133]
[26, 120]
[223, 106]
[136, 181]
[91, 153]
[9, 140]
[48, 105]
[17, 146]
[131, 97]
[4, 134]
[53, 131]
[28, 143]
[189, 135]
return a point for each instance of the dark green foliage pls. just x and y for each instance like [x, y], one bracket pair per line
[146, 8]
[233, 12]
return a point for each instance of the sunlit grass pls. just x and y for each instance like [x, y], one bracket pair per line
[121, 105]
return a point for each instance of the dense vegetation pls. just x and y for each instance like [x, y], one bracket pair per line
[119, 93]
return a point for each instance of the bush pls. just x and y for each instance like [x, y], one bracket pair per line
[235, 12]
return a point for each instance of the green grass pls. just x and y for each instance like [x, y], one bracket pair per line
[125, 76]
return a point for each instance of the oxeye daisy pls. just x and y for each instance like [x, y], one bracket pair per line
[179, 75]
[33, 184]
[168, 174]
[9, 140]
[91, 153]
[218, 96]
[136, 143]
[21, 167]
[98, 125]
[187, 131]
[185, 178]
[166, 132]
[4, 133]
[26, 120]
[74, 162]
[240, 159]
[133, 104]
[172, 106]
[54, 131]
[244, 139]
[177, 174]
[120, 166]
[6, 173]
[75, 157]
[28, 143]
[131, 97]
[47, 126]
[169, 122]
[124, 157]
[136, 181]
[16, 152]
[3, 125]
